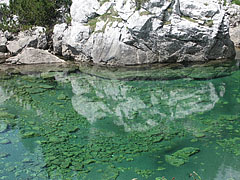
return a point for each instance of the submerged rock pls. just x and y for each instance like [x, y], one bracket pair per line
[6, 115]
[180, 157]
[127, 32]
[4, 141]
[34, 56]
[4, 155]
[3, 126]
[29, 134]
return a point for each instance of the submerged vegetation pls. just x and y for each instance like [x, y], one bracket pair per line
[62, 125]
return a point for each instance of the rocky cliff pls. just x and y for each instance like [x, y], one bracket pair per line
[131, 32]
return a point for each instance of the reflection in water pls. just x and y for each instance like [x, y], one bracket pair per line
[136, 106]
[3, 95]
[73, 127]
[227, 172]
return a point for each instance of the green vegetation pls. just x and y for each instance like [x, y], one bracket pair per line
[167, 22]
[236, 2]
[194, 176]
[145, 13]
[139, 3]
[31, 13]
[209, 23]
[102, 2]
[180, 157]
[109, 17]
[189, 19]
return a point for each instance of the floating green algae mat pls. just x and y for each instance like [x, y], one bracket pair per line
[66, 125]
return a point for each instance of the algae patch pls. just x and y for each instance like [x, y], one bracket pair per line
[180, 157]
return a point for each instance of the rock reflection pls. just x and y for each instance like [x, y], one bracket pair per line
[140, 105]
[227, 172]
[3, 95]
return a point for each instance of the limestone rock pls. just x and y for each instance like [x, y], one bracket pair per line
[83, 10]
[34, 56]
[124, 32]
[235, 35]
[35, 38]
[57, 38]
[3, 41]
[234, 13]
[3, 56]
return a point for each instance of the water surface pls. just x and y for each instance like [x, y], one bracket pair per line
[92, 123]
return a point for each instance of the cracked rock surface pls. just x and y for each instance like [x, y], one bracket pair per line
[126, 32]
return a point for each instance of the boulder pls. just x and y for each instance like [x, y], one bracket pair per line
[234, 13]
[35, 38]
[127, 32]
[34, 56]
[3, 41]
[57, 38]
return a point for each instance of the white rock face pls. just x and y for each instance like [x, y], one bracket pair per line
[86, 9]
[123, 32]
[34, 56]
[4, 2]
[3, 42]
[57, 38]
[234, 12]
[35, 38]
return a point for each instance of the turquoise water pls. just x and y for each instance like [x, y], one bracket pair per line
[93, 123]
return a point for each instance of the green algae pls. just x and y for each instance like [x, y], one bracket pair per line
[3, 126]
[4, 141]
[199, 135]
[231, 145]
[71, 143]
[29, 134]
[4, 155]
[6, 115]
[180, 157]
[62, 97]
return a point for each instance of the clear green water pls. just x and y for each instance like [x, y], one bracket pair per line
[121, 125]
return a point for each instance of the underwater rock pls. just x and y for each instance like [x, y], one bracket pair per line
[174, 160]
[4, 155]
[62, 97]
[199, 135]
[6, 115]
[4, 141]
[45, 86]
[180, 157]
[27, 160]
[3, 126]
[29, 134]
